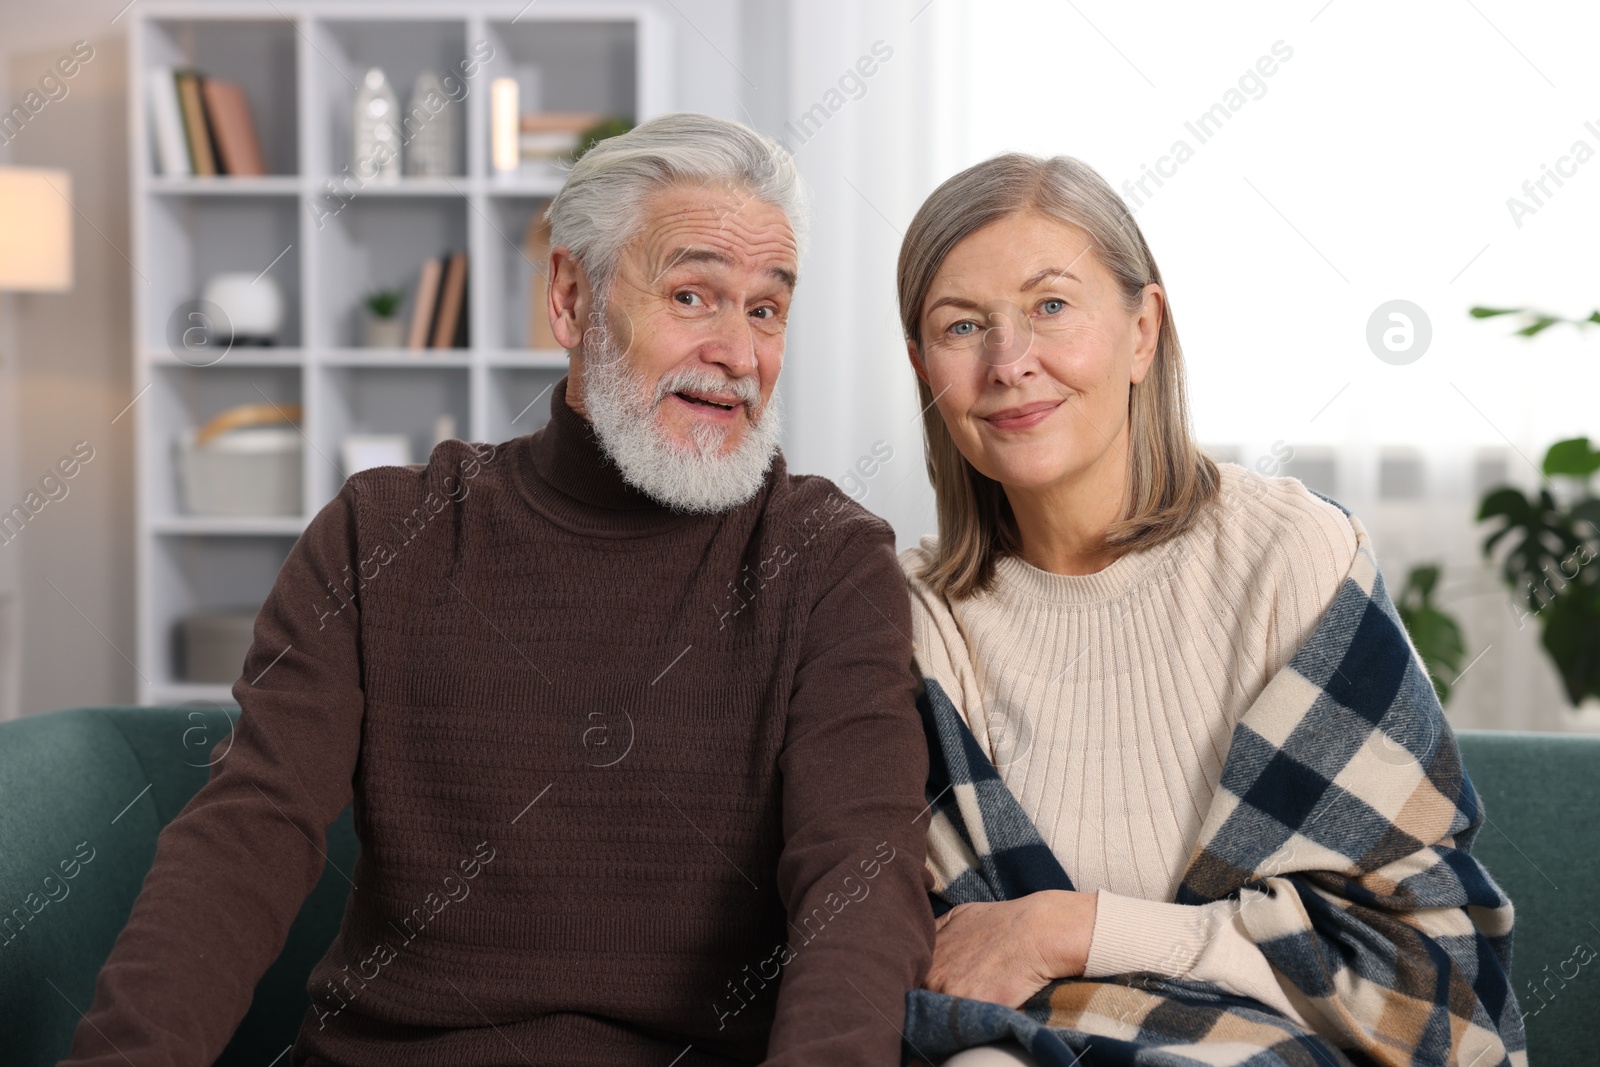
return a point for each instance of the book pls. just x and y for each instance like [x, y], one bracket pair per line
[194, 123]
[166, 120]
[573, 122]
[233, 129]
[422, 304]
[452, 296]
[461, 338]
[536, 249]
[550, 145]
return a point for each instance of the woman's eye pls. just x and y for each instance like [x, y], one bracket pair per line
[1053, 307]
[964, 328]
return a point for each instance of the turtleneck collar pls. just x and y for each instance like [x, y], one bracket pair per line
[564, 472]
[568, 456]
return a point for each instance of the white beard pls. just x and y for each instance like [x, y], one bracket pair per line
[625, 413]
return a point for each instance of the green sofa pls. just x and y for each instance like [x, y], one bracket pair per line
[72, 777]
[87, 790]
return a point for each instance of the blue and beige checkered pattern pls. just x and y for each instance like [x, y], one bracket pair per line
[1343, 822]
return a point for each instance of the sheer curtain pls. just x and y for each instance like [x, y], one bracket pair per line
[874, 119]
[1295, 168]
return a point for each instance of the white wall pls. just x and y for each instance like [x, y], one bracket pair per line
[73, 561]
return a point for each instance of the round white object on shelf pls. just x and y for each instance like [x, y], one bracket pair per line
[253, 306]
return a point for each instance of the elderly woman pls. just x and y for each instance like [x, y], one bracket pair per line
[1146, 647]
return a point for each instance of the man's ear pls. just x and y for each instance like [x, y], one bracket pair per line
[916, 361]
[569, 298]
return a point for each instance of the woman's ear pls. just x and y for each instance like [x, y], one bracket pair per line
[568, 298]
[1147, 332]
[916, 361]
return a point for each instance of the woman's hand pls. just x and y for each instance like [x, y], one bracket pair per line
[1007, 951]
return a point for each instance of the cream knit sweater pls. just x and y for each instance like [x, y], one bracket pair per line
[1107, 702]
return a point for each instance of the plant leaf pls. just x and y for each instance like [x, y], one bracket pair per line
[1426, 578]
[1487, 313]
[1587, 511]
[1538, 325]
[1436, 635]
[1572, 637]
[1573, 456]
[1540, 536]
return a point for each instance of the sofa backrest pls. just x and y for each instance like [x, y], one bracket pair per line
[83, 795]
[1538, 793]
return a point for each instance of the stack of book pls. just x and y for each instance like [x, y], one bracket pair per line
[553, 136]
[544, 139]
[203, 126]
[439, 306]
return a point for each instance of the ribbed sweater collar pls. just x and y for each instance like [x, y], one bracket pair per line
[1015, 576]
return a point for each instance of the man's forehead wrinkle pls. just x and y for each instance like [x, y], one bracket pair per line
[687, 235]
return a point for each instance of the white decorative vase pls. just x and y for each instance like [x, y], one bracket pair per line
[376, 131]
[431, 151]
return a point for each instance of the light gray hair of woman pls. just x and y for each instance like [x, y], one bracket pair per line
[1170, 479]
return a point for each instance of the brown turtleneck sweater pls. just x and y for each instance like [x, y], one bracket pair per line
[629, 783]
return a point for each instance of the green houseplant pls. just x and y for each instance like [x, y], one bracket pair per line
[1436, 635]
[609, 127]
[1551, 539]
[383, 321]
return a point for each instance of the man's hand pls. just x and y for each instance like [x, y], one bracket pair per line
[1007, 951]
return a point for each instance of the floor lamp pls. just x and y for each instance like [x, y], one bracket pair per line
[35, 257]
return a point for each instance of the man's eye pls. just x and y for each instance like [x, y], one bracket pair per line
[765, 312]
[1053, 307]
[688, 299]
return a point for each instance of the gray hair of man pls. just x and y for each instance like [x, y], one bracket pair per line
[597, 211]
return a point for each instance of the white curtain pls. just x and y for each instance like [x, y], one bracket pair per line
[871, 146]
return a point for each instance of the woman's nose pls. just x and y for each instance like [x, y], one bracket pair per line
[1008, 340]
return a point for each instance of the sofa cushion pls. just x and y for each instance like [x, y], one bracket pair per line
[87, 791]
[1539, 793]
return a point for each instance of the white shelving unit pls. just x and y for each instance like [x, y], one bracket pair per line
[299, 65]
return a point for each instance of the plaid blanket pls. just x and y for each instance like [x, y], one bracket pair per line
[1343, 822]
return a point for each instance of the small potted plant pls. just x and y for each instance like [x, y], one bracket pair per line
[609, 127]
[383, 318]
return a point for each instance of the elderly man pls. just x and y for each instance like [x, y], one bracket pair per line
[626, 710]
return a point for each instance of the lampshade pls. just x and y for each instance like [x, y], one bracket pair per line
[35, 229]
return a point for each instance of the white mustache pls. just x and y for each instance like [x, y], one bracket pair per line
[700, 380]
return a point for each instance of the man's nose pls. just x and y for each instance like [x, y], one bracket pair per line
[732, 343]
